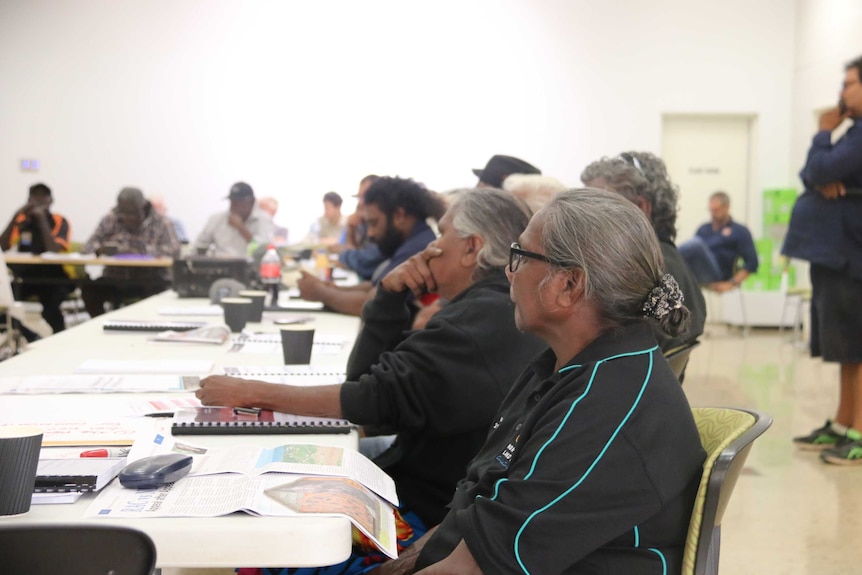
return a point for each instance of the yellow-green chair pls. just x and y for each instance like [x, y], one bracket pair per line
[727, 435]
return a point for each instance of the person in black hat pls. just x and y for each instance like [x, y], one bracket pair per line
[499, 168]
[35, 229]
[238, 231]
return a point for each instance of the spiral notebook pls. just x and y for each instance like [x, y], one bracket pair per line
[151, 326]
[76, 475]
[234, 421]
[307, 375]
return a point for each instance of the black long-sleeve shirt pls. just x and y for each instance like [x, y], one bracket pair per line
[437, 388]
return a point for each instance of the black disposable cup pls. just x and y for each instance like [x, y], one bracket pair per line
[255, 315]
[236, 312]
[19, 459]
[296, 344]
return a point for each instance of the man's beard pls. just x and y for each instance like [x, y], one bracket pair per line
[390, 241]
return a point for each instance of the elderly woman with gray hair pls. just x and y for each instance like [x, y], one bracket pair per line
[593, 460]
[642, 178]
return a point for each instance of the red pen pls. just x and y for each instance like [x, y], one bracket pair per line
[113, 452]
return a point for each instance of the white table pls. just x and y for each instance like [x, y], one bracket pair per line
[237, 540]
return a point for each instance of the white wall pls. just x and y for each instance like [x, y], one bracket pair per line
[299, 98]
[828, 36]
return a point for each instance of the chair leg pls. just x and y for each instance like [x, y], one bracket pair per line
[714, 551]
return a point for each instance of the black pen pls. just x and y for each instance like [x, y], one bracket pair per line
[160, 414]
[247, 410]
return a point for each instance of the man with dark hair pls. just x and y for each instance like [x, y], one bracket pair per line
[132, 227]
[395, 211]
[34, 229]
[826, 230]
[358, 253]
[714, 250]
[238, 231]
[499, 168]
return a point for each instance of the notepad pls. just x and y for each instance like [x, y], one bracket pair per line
[150, 326]
[70, 475]
[226, 421]
[176, 367]
[290, 374]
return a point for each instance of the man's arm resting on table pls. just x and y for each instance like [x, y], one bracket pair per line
[316, 401]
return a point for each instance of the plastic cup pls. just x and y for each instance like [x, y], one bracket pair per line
[257, 297]
[19, 459]
[296, 343]
[236, 312]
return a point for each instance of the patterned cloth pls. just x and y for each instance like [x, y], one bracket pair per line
[365, 556]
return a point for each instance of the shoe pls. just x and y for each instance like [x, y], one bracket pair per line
[848, 454]
[824, 437]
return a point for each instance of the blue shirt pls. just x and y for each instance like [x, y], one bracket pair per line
[730, 242]
[829, 232]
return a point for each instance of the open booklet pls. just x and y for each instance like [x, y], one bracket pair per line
[281, 481]
[208, 334]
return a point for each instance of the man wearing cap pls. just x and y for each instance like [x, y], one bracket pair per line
[238, 231]
[132, 227]
[34, 229]
[499, 168]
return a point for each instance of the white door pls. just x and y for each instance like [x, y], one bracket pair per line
[705, 154]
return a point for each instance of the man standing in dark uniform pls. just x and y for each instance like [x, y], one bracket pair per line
[34, 229]
[826, 230]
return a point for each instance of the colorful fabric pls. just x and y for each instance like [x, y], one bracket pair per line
[365, 556]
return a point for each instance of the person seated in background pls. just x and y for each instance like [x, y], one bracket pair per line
[395, 211]
[642, 178]
[358, 253]
[158, 203]
[132, 227]
[535, 189]
[499, 168]
[329, 227]
[35, 229]
[270, 206]
[437, 388]
[240, 230]
[714, 250]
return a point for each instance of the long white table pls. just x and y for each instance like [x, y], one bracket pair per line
[237, 540]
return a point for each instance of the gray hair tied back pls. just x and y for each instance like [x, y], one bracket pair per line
[665, 302]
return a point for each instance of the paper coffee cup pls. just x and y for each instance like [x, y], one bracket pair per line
[236, 311]
[296, 344]
[19, 458]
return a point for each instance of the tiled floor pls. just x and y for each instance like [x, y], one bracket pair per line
[790, 514]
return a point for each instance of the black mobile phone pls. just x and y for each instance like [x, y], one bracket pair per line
[842, 107]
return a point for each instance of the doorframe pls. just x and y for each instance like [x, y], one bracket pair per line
[752, 176]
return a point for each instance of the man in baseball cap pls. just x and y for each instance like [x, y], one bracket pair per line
[238, 231]
[499, 168]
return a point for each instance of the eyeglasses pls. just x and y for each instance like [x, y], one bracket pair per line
[632, 161]
[516, 254]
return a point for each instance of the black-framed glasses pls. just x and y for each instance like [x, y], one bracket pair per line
[516, 254]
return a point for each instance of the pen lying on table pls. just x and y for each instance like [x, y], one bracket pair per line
[106, 452]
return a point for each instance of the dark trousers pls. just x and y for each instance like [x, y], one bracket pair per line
[51, 297]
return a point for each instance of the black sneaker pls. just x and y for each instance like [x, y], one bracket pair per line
[850, 453]
[822, 438]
